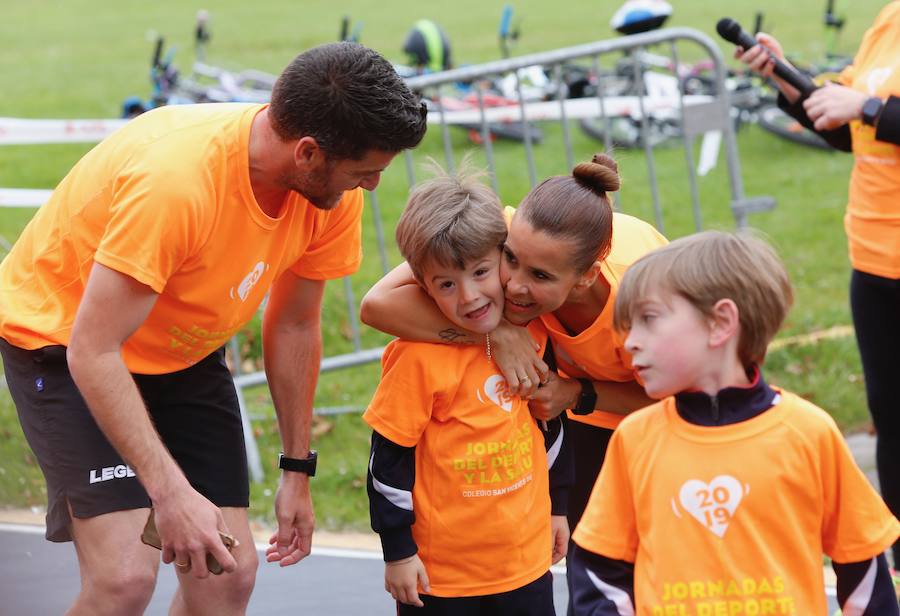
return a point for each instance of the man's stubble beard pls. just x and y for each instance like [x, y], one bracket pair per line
[305, 188]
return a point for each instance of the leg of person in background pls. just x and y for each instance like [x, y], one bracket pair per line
[589, 449]
[875, 303]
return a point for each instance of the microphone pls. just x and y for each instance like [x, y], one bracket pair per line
[731, 31]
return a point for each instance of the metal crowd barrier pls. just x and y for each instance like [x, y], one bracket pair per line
[707, 114]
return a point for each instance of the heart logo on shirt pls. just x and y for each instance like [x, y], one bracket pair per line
[498, 392]
[876, 78]
[712, 504]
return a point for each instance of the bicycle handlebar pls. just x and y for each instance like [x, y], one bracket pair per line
[157, 52]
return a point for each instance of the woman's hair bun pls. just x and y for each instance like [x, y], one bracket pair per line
[600, 175]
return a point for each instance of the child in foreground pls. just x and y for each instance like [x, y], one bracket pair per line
[722, 498]
[458, 475]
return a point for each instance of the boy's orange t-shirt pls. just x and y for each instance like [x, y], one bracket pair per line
[167, 200]
[598, 352]
[481, 497]
[872, 221]
[733, 519]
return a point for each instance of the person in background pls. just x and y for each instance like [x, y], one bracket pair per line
[861, 114]
[427, 47]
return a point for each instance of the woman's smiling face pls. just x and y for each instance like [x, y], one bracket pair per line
[537, 272]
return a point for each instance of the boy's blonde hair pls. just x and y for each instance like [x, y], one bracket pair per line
[450, 220]
[707, 267]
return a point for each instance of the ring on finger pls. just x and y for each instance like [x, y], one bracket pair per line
[186, 565]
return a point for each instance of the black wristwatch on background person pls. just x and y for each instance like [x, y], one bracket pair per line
[296, 465]
[587, 399]
[871, 111]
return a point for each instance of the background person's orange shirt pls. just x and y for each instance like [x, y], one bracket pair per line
[167, 200]
[481, 496]
[873, 209]
[598, 352]
[733, 519]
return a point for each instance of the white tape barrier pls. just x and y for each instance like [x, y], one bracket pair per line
[23, 197]
[576, 109]
[18, 131]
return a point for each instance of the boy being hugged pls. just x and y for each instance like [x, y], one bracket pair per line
[458, 482]
[723, 497]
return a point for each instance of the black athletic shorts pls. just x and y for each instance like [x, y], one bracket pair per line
[195, 411]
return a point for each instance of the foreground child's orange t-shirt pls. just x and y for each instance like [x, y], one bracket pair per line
[167, 200]
[733, 519]
[481, 496]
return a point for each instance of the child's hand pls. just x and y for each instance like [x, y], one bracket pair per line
[559, 530]
[401, 576]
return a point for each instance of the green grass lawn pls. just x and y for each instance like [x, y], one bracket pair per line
[80, 59]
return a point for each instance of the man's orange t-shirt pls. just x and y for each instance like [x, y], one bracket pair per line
[598, 352]
[167, 200]
[481, 496]
[873, 210]
[733, 519]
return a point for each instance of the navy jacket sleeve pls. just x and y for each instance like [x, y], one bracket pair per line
[560, 460]
[390, 480]
[888, 129]
[866, 588]
[600, 586]
[560, 463]
[838, 138]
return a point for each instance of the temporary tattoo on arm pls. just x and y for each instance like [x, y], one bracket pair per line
[452, 336]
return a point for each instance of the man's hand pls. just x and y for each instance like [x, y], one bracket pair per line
[516, 354]
[554, 397]
[401, 578]
[834, 105]
[559, 529]
[296, 520]
[189, 526]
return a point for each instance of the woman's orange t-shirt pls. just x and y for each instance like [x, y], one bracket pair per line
[872, 221]
[598, 353]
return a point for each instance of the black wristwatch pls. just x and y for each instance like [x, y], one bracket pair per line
[587, 399]
[871, 110]
[296, 465]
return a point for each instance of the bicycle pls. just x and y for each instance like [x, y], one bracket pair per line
[646, 74]
[205, 84]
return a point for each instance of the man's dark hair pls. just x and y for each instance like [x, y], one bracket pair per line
[350, 99]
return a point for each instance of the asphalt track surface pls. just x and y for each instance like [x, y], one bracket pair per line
[41, 578]
[38, 577]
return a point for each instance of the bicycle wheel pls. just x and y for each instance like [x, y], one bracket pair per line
[776, 121]
[625, 132]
